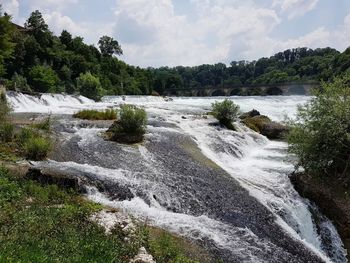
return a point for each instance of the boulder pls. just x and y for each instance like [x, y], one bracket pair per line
[257, 122]
[110, 219]
[249, 114]
[45, 176]
[264, 125]
[274, 130]
[143, 257]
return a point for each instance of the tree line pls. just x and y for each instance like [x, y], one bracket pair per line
[33, 59]
[292, 65]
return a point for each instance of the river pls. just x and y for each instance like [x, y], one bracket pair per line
[228, 191]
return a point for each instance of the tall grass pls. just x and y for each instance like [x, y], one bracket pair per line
[6, 132]
[107, 114]
[37, 148]
[44, 124]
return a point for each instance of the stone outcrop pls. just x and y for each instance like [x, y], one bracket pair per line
[330, 197]
[264, 125]
[143, 257]
[111, 218]
[46, 176]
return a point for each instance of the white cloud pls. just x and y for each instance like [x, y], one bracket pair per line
[58, 22]
[11, 7]
[295, 8]
[171, 39]
[55, 5]
[90, 31]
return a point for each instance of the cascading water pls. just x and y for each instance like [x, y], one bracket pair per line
[170, 184]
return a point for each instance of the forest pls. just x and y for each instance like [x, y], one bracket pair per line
[33, 59]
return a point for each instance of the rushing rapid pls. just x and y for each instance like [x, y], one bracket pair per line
[228, 191]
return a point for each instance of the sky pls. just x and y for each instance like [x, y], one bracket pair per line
[192, 32]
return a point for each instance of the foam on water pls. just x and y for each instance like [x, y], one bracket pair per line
[260, 165]
[276, 107]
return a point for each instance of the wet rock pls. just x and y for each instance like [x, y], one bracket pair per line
[111, 219]
[250, 114]
[143, 257]
[44, 176]
[116, 191]
[264, 125]
[328, 196]
[274, 130]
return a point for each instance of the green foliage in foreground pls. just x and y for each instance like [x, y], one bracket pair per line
[6, 132]
[4, 107]
[225, 112]
[131, 125]
[108, 114]
[41, 224]
[47, 224]
[320, 136]
[37, 148]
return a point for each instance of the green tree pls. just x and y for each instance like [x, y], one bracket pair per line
[89, 86]
[6, 44]
[109, 46]
[37, 27]
[43, 78]
[320, 136]
[19, 83]
[66, 39]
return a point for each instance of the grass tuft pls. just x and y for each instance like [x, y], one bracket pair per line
[37, 148]
[108, 114]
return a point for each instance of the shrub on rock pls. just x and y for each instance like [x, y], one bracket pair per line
[225, 112]
[131, 125]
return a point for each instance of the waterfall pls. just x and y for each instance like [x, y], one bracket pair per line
[165, 186]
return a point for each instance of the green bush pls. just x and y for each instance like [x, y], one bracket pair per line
[108, 114]
[225, 112]
[37, 148]
[6, 132]
[131, 126]
[320, 136]
[89, 86]
[43, 78]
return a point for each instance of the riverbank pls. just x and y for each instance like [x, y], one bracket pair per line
[333, 199]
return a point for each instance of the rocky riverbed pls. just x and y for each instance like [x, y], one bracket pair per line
[226, 191]
[170, 172]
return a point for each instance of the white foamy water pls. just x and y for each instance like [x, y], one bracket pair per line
[258, 164]
[276, 107]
